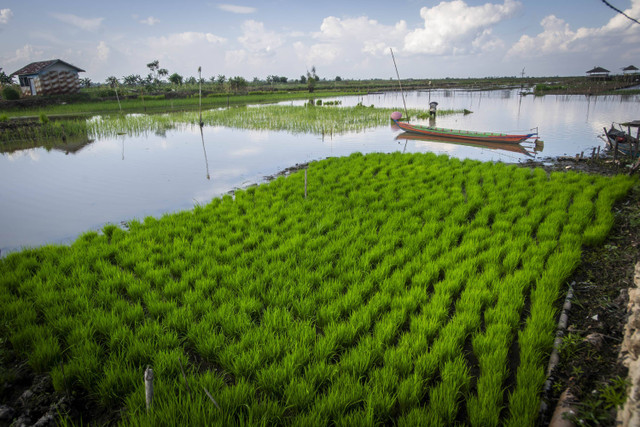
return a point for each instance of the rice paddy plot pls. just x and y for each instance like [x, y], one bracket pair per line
[322, 120]
[405, 288]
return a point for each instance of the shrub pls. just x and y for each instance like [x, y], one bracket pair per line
[10, 93]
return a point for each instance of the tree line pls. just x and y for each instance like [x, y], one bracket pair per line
[157, 75]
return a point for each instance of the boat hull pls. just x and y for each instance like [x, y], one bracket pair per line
[462, 135]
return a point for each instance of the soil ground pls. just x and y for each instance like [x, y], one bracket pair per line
[588, 357]
[589, 365]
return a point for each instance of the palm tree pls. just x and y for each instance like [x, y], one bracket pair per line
[112, 81]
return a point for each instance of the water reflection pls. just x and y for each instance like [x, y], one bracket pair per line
[528, 149]
[51, 197]
[204, 149]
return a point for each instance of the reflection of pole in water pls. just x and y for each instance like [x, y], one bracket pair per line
[122, 147]
[519, 105]
[205, 152]
[588, 106]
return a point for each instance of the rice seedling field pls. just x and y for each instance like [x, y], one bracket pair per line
[295, 119]
[407, 289]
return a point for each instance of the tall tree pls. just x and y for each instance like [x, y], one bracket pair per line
[132, 80]
[112, 81]
[176, 79]
[312, 78]
[237, 84]
[153, 67]
[163, 72]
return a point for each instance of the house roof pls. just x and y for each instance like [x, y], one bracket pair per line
[598, 70]
[630, 68]
[38, 67]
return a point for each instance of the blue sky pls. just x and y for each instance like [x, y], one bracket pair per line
[350, 39]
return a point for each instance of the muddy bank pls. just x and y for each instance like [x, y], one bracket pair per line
[589, 368]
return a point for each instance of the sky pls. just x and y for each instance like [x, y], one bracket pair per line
[349, 39]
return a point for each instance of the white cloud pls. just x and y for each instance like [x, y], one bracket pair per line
[487, 42]
[103, 51]
[350, 40]
[149, 21]
[89, 24]
[364, 34]
[236, 9]
[319, 53]
[26, 54]
[558, 37]
[450, 26]
[258, 40]
[5, 15]
[235, 57]
[184, 39]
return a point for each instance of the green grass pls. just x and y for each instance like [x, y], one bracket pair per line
[161, 103]
[404, 288]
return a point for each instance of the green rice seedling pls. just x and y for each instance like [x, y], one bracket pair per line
[444, 399]
[116, 380]
[410, 392]
[45, 354]
[343, 395]
[361, 358]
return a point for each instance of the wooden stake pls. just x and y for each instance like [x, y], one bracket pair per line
[148, 387]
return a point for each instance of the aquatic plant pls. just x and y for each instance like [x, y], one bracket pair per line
[396, 291]
[296, 119]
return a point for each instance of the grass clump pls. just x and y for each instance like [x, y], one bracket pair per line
[395, 292]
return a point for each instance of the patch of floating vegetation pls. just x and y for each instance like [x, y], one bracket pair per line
[405, 288]
[295, 119]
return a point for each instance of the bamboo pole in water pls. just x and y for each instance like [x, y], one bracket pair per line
[399, 83]
[200, 94]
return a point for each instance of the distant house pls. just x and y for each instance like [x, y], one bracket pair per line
[630, 70]
[598, 72]
[48, 78]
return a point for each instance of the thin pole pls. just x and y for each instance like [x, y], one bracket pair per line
[399, 83]
[200, 94]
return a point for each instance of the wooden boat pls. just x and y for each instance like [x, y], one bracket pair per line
[491, 145]
[463, 135]
[622, 141]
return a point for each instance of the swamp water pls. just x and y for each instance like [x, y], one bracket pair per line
[51, 196]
